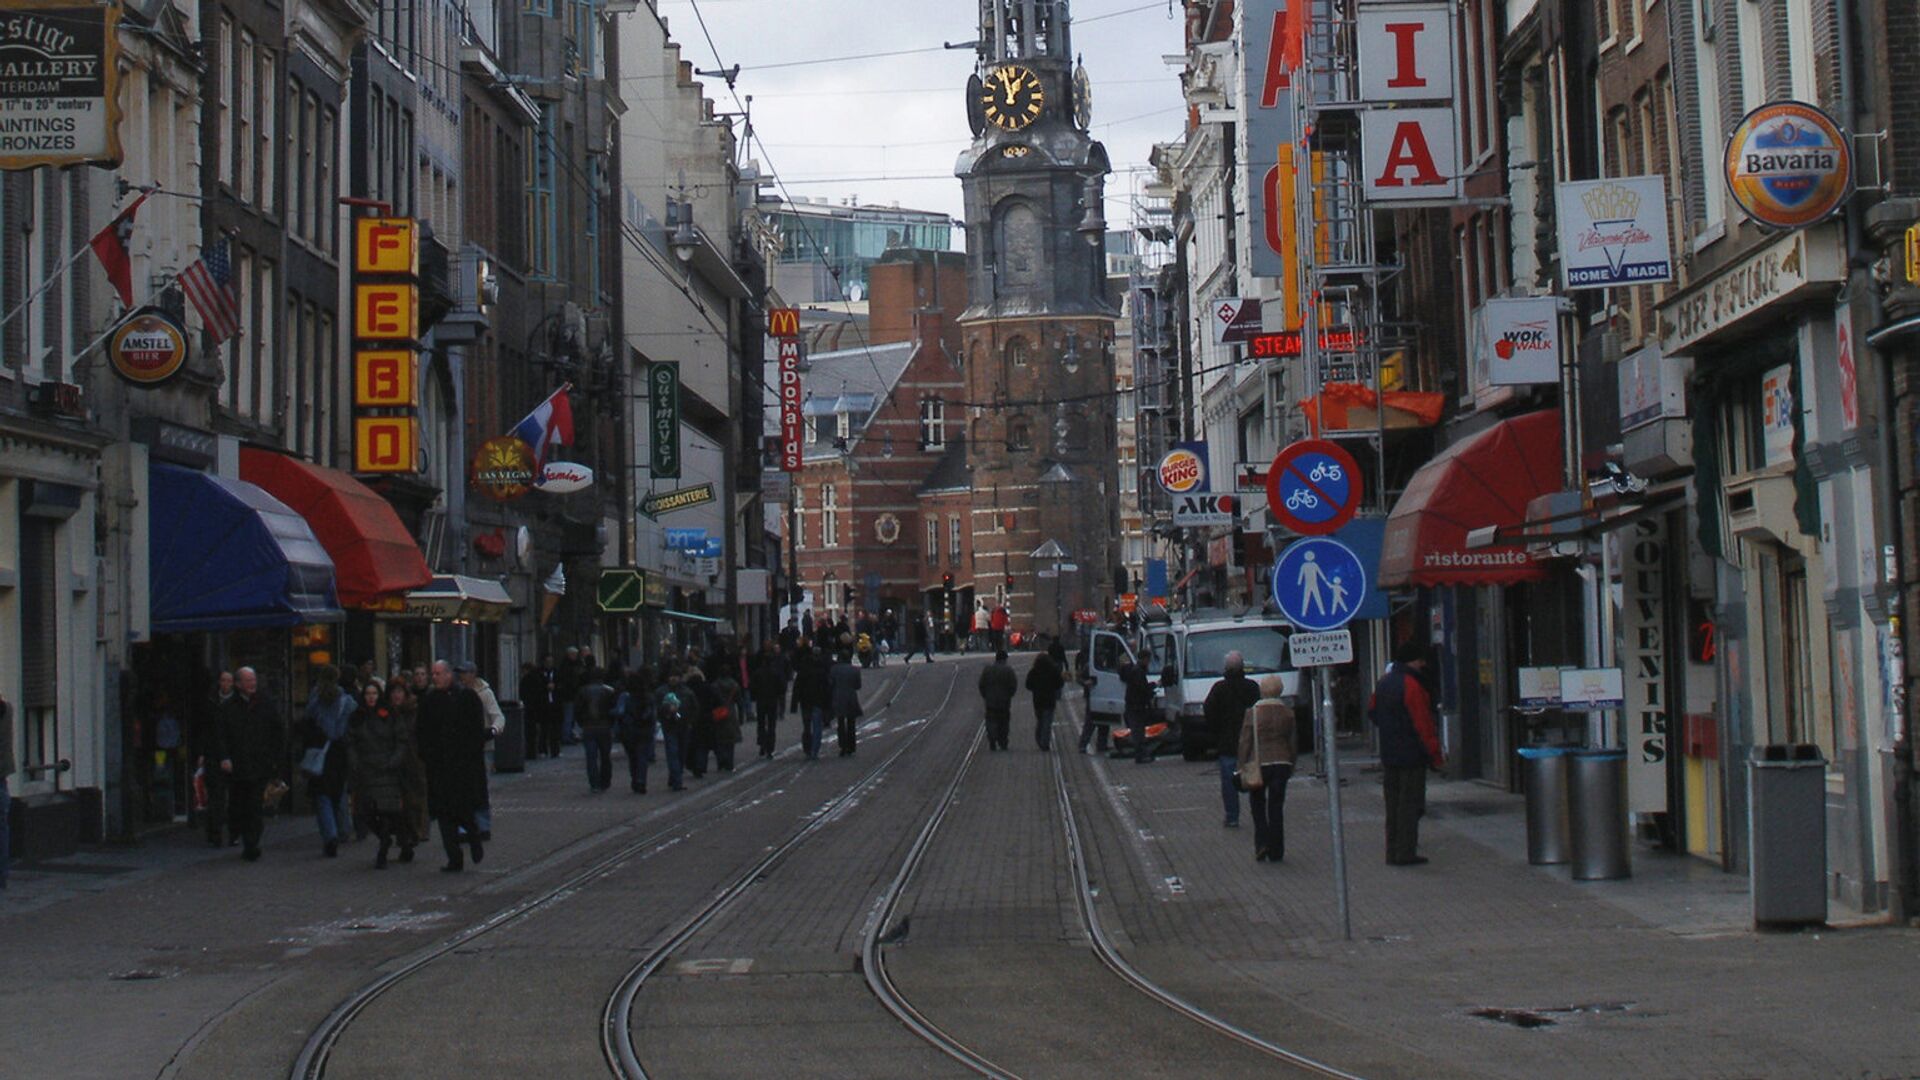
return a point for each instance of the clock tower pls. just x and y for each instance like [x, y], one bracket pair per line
[1037, 338]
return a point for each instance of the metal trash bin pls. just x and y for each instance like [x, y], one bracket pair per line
[1597, 824]
[1787, 809]
[510, 746]
[1543, 770]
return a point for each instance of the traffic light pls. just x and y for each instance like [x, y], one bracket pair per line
[946, 582]
[1009, 581]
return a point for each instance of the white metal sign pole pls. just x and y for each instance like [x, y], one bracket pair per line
[1330, 746]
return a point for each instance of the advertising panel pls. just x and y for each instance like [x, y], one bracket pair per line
[1789, 165]
[1614, 232]
[1411, 155]
[1274, 47]
[59, 84]
[1516, 341]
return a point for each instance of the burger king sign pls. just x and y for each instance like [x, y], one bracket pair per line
[1184, 469]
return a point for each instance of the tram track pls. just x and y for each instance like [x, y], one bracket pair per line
[316, 1053]
[973, 1058]
[616, 1023]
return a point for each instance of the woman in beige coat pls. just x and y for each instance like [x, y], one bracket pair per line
[1266, 764]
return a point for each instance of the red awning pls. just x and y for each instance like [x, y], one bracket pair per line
[1485, 479]
[373, 554]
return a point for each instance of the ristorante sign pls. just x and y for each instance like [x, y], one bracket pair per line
[59, 84]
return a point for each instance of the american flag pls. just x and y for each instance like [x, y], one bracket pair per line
[208, 283]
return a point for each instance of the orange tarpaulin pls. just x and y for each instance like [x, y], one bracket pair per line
[1352, 407]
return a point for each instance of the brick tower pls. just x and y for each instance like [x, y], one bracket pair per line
[1037, 337]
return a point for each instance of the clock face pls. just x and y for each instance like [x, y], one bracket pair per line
[1012, 97]
[1082, 99]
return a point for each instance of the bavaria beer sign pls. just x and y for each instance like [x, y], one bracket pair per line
[1789, 165]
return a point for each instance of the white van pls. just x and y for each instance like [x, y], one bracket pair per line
[1197, 644]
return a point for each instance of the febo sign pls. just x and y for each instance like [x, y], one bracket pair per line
[1406, 56]
[1275, 36]
[793, 442]
[1313, 487]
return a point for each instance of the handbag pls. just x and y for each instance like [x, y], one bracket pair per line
[314, 761]
[1250, 779]
[272, 793]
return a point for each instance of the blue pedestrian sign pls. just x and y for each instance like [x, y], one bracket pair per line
[1318, 584]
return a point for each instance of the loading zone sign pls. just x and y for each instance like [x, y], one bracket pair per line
[1203, 508]
[1320, 650]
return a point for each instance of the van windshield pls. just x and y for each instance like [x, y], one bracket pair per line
[1264, 647]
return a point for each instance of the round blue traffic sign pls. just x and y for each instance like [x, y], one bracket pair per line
[1313, 487]
[1318, 584]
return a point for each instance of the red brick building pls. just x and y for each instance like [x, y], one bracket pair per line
[885, 475]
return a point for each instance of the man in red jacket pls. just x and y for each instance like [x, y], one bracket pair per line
[997, 627]
[1409, 745]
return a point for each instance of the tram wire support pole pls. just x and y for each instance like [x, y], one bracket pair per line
[1330, 748]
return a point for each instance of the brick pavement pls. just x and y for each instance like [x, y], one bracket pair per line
[1655, 976]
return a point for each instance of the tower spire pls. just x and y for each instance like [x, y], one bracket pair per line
[1025, 30]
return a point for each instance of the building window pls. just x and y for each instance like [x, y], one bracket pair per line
[1017, 352]
[223, 110]
[953, 540]
[843, 426]
[244, 62]
[830, 594]
[829, 516]
[269, 108]
[1019, 435]
[933, 424]
[326, 228]
[799, 520]
[541, 166]
[933, 541]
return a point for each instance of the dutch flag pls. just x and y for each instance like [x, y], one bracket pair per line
[550, 424]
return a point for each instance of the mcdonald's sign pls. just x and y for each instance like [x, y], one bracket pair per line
[783, 322]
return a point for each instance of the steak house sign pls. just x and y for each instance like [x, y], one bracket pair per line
[59, 84]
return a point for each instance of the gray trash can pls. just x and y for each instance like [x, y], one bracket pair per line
[1543, 770]
[510, 746]
[1597, 824]
[1787, 808]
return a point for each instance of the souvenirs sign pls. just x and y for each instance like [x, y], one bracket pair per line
[59, 84]
[148, 348]
[1789, 165]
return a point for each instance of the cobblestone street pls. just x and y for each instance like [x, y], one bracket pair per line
[1475, 965]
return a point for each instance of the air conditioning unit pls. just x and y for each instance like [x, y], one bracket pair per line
[1760, 506]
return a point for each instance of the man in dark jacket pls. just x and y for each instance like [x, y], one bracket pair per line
[1409, 745]
[206, 738]
[1226, 706]
[998, 687]
[452, 736]
[546, 710]
[566, 691]
[251, 751]
[593, 710]
[1045, 680]
[812, 693]
[843, 685]
[1140, 708]
[767, 685]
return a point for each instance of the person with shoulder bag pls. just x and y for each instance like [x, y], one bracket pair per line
[1266, 758]
[324, 757]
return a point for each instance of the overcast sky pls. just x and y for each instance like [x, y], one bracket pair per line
[888, 129]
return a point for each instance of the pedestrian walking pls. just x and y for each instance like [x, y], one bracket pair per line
[728, 723]
[1045, 681]
[381, 742]
[250, 754]
[544, 708]
[1402, 710]
[1139, 706]
[567, 692]
[696, 704]
[1266, 752]
[402, 699]
[767, 685]
[1090, 727]
[1226, 707]
[206, 736]
[998, 687]
[633, 726]
[843, 683]
[669, 710]
[324, 761]
[928, 635]
[997, 624]
[812, 696]
[496, 723]
[7, 767]
[452, 736]
[593, 714]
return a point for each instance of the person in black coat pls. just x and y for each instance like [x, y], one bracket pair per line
[767, 685]
[206, 741]
[812, 694]
[251, 752]
[998, 687]
[1045, 680]
[452, 736]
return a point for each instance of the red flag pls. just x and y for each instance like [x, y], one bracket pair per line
[110, 245]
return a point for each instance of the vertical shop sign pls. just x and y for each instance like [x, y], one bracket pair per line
[663, 413]
[386, 356]
[793, 439]
[1643, 655]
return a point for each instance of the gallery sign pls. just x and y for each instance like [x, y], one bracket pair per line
[1614, 232]
[148, 348]
[59, 84]
[1789, 165]
[1516, 341]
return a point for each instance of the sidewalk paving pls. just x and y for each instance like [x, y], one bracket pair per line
[1479, 964]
